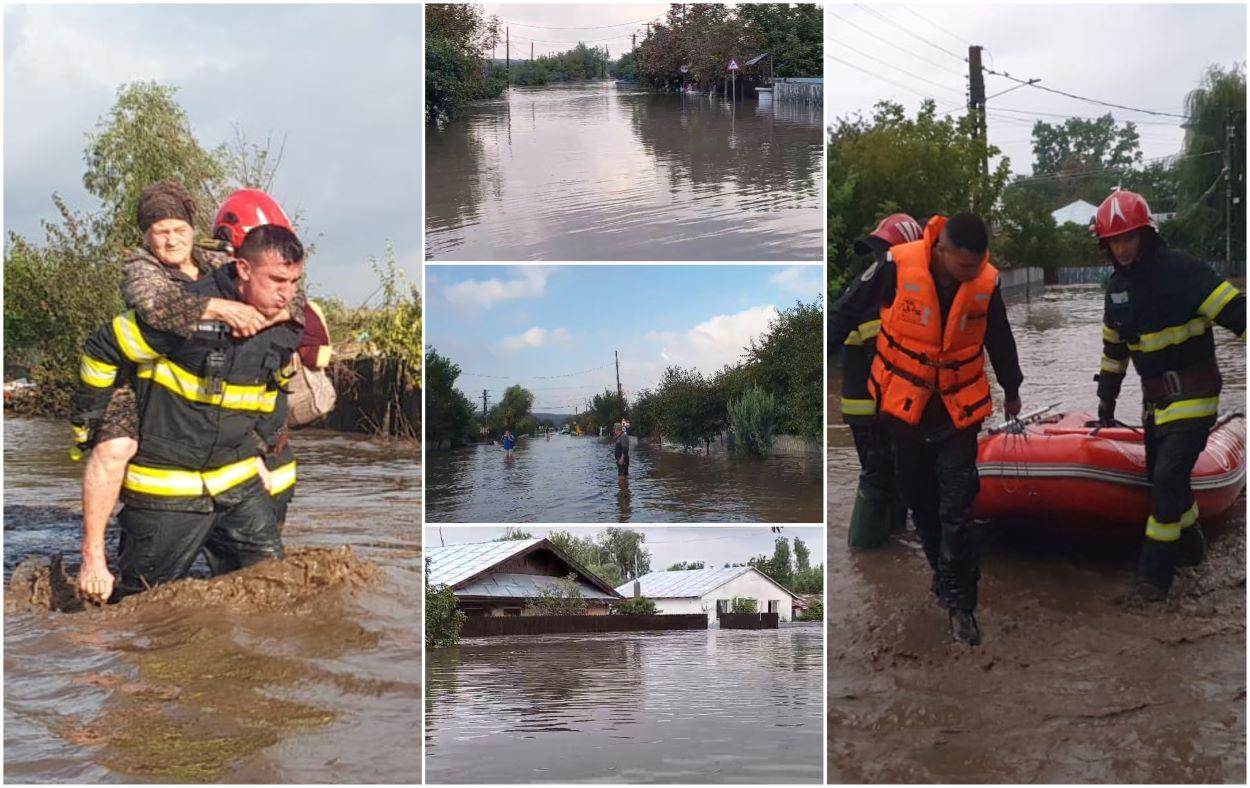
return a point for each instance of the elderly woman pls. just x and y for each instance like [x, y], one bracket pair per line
[153, 285]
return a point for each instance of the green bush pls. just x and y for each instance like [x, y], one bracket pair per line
[753, 418]
[816, 612]
[745, 605]
[443, 617]
[563, 600]
[636, 606]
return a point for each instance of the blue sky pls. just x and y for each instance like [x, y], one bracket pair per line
[668, 544]
[342, 83]
[552, 329]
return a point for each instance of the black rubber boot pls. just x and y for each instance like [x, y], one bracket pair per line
[1193, 546]
[964, 628]
[1155, 568]
[870, 521]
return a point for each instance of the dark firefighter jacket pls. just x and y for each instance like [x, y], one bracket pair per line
[209, 406]
[1159, 313]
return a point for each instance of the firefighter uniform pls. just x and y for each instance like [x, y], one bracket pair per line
[209, 407]
[1159, 313]
[928, 383]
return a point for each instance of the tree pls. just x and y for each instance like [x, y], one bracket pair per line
[456, 36]
[682, 566]
[512, 412]
[793, 33]
[890, 163]
[753, 417]
[691, 407]
[623, 548]
[443, 616]
[744, 605]
[563, 599]
[1067, 153]
[513, 535]
[788, 363]
[606, 409]
[802, 556]
[815, 612]
[448, 412]
[144, 138]
[634, 606]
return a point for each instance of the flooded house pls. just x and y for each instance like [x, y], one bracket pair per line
[500, 578]
[711, 591]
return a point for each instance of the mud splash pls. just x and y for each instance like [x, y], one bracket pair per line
[287, 585]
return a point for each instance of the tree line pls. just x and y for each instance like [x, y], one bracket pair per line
[776, 389]
[928, 164]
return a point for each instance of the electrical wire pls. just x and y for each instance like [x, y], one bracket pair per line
[903, 29]
[891, 65]
[1027, 83]
[907, 52]
[588, 27]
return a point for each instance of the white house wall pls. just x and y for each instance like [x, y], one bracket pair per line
[750, 585]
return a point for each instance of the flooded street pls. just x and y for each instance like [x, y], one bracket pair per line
[592, 171]
[305, 671]
[680, 707]
[1071, 685]
[573, 479]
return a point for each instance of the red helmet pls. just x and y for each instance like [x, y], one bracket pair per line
[1121, 212]
[243, 210]
[895, 229]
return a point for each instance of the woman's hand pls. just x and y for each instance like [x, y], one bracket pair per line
[244, 320]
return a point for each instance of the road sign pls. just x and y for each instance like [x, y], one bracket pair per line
[685, 69]
[733, 64]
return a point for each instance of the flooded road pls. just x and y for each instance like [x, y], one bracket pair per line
[590, 171]
[678, 707]
[570, 479]
[305, 671]
[1071, 685]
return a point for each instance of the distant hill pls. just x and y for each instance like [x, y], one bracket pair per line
[558, 418]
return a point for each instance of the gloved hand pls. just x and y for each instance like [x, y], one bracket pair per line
[1106, 412]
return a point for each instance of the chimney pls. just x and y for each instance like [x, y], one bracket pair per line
[637, 589]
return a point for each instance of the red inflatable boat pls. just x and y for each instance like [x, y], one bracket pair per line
[1061, 465]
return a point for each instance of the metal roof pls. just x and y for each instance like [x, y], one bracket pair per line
[504, 584]
[756, 59]
[689, 582]
[459, 562]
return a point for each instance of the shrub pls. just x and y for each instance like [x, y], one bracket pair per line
[753, 418]
[635, 606]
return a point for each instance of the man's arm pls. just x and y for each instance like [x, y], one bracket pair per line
[1112, 368]
[165, 305]
[1222, 303]
[1000, 343]
[862, 302]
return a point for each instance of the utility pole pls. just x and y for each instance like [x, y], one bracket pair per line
[531, 51]
[484, 410]
[507, 52]
[1228, 189]
[976, 105]
[616, 355]
[633, 41]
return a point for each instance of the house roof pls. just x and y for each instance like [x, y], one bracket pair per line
[507, 584]
[756, 59]
[1077, 212]
[461, 565]
[688, 582]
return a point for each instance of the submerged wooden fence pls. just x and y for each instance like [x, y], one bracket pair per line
[489, 626]
[748, 620]
[376, 396]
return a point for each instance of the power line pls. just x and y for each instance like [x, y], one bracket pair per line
[878, 76]
[891, 65]
[588, 27]
[1167, 123]
[1084, 98]
[1107, 170]
[903, 29]
[935, 25]
[908, 52]
[535, 377]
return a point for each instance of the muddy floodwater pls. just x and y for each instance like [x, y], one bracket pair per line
[306, 670]
[573, 479]
[1071, 684]
[674, 707]
[592, 171]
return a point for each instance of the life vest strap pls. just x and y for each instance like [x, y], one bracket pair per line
[924, 358]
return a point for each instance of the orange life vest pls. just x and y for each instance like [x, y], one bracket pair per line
[916, 357]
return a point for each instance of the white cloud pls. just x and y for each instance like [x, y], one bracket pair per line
[536, 338]
[800, 279]
[474, 294]
[708, 346]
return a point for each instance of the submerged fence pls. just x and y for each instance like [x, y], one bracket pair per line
[807, 90]
[1098, 274]
[489, 626]
[376, 396]
[748, 620]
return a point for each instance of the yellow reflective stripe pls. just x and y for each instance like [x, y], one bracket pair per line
[197, 389]
[1218, 299]
[1172, 335]
[1162, 532]
[1199, 408]
[870, 329]
[130, 338]
[858, 407]
[1118, 366]
[170, 482]
[854, 339]
[97, 373]
[81, 434]
[1110, 334]
[1190, 517]
[282, 478]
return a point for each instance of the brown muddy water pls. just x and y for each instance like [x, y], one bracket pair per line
[302, 670]
[573, 480]
[590, 171]
[1071, 685]
[714, 706]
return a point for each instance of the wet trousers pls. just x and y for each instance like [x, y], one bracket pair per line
[878, 511]
[1170, 458]
[939, 482]
[160, 546]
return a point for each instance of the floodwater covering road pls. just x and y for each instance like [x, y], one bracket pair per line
[573, 479]
[307, 671]
[714, 706]
[592, 171]
[1071, 685]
